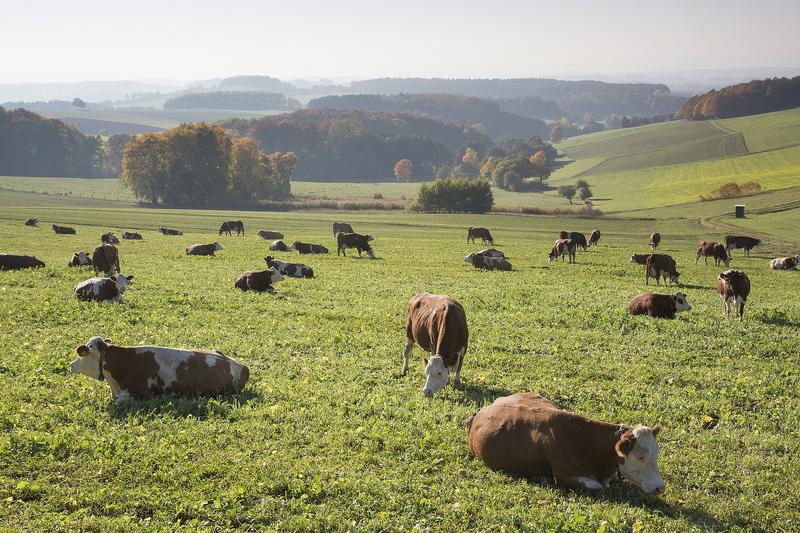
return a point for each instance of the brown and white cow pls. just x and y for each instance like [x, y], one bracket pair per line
[342, 227]
[259, 281]
[576, 236]
[232, 225]
[110, 289]
[292, 270]
[354, 240]
[33, 222]
[661, 265]
[63, 230]
[528, 435]
[266, 234]
[479, 233]
[132, 235]
[204, 249]
[713, 249]
[18, 262]
[105, 259]
[79, 259]
[734, 288]
[594, 237]
[307, 248]
[562, 248]
[655, 240]
[785, 263]
[278, 246]
[168, 231]
[490, 259]
[139, 372]
[734, 242]
[109, 238]
[438, 324]
[639, 259]
[659, 305]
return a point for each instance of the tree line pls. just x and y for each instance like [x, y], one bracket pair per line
[242, 100]
[752, 98]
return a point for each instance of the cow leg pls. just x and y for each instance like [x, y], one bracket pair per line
[696, 259]
[705, 258]
[578, 482]
[727, 304]
[740, 309]
[407, 354]
[457, 378]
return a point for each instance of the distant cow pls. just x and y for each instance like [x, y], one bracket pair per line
[79, 259]
[713, 249]
[576, 236]
[264, 234]
[439, 325]
[110, 289]
[594, 237]
[109, 238]
[139, 372]
[655, 240]
[63, 230]
[342, 227]
[306, 248]
[291, 270]
[659, 305]
[661, 265]
[481, 233]
[278, 246]
[168, 231]
[204, 249]
[639, 259]
[734, 287]
[490, 259]
[562, 248]
[105, 259]
[259, 281]
[354, 240]
[528, 435]
[785, 263]
[733, 242]
[232, 225]
[131, 235]
[33, 222]
[18, 262]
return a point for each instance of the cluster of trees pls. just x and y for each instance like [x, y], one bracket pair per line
[581, 189]
[616, 121]
[199, 165]
[732, 190]
[455, 195]
[532, 106]
[752, 98]
[244, 100]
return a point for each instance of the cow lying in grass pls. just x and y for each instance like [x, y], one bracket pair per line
[785, 263]
[79, 259]
[110, 289]
[204, 249]
[659, 305]
[18, 262]
[259, 281]
[490, 259]
[292, 270]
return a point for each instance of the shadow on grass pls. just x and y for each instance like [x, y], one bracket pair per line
[689, 286]
[177, 406]
[479, 395]
[779, 319]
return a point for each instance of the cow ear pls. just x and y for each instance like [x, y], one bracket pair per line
[129, 277]
[656, 429]
[426, 360]
[624, 445]
[112, 278]
[81, 350]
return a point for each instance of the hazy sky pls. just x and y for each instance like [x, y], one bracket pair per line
[57, 40]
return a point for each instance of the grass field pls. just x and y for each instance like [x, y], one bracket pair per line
[328, 435]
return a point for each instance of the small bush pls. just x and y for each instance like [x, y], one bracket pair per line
[732, 190]
[455, 195]
[377, 196]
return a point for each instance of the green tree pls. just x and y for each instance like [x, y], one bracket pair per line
[199, 158]
[568, 192]
[583, 189]
[250, 170]
[78, 103]
[455, 195]
[283, 165]
[145, 165]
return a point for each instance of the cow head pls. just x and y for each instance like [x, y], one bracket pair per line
[553, 255]
[681, 304]
[469, 258]
[637, 453]
[121, 281]
[436, 376]
[217, 246]
[370, 238]
[222, 228]
[89, 358]
[270, 261]
[674, 278]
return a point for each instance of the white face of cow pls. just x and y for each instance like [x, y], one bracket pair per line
[217, 245]
[469, 258]
[121, 281]
[681, 304]
[88, 360]
[436, 376]
[674, 278]
[275, 276]
[637, 452]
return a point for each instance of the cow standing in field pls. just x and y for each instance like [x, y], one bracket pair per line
[481, 233]
[105, 259]
[594, 238]
[785, 263]
[490, 259]
[307, 248]
[655, 240]
[139, 372]
[110, 289]
[661, 265]
[561, 248]
[131, 235]
[265, 234]
[733, 242]
[204, 249]
[63, 230]
[259, 281]
[18, 262]
[439, 325]
[659, 305]
[354, 240]
[168, 231]
[639, 259]
[577, 237]
[292, 270]
[528, 435]
[734, 288]
[713, 249]
[342, 227]
[232, 225]
[32, 222]
[79, 259]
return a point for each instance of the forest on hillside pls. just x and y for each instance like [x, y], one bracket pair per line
[752, 98]
[240, 100]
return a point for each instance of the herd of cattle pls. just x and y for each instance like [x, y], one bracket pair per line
[523, 434]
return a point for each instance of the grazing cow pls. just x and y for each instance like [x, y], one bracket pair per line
[105, 259]
[594, 237]
[259, 281]
[713, 249]
[33, 222]
[658, 266]
[17, 262]
[528, 435]
[639, 259]
[734, 287]
[490, 259]
[439, 325]
[306, 248]
[204, 249]
[482, 233]
[659, 305]
[264, 234]
[655, 240]
[79, 259]
[131, 235]
[578, 237]
[292, 270]
[63, 230]
[354, 240]
[278, 246]
[561, 248]
[109, 238]
[232, 225]
[168, 231]
[139, 372]
[342, 227]
[733, 242]
[110, 289]
[785, 263]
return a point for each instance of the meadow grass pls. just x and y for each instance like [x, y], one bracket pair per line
[329, 435]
